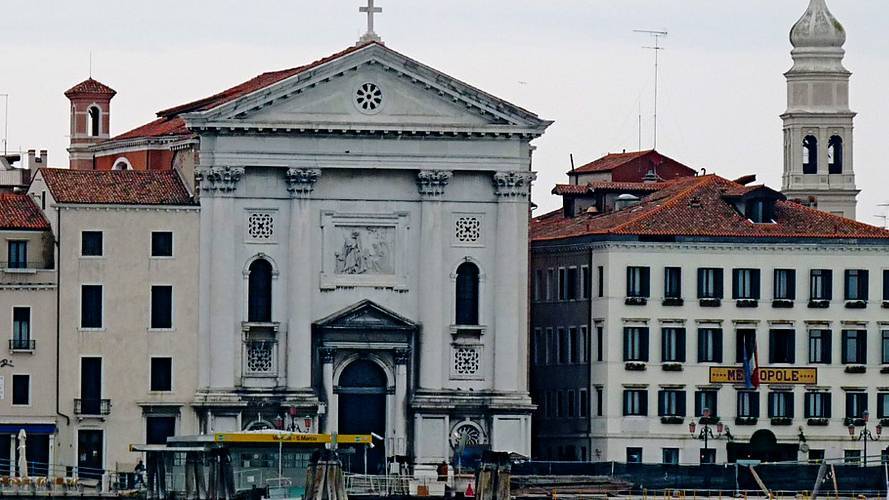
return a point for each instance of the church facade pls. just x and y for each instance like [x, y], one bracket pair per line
[363, 246]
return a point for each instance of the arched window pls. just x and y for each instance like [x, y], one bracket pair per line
[259, 289]
[835, 155]
[122, 164]
[810, 155]
[467, 294]
[93, 121]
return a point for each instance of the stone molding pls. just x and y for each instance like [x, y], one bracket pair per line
[401, 356]
[433, 182]
[301, 181]
[327, 354]
[221, 179]
[513, 184]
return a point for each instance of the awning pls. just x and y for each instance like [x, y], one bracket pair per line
[29, 428]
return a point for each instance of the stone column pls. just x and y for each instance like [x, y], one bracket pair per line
[300, 183]
[219, 333]
[431, 277]
[331, 423]
[402, 357]
[511, 280]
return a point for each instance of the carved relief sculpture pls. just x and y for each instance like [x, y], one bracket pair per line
[366, 250]
[433, 182]
[301, 181]
[513, 184]
[222, 179]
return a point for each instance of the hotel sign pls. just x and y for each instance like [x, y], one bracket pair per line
[735, 375]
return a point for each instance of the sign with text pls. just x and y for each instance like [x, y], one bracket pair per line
[735, 375]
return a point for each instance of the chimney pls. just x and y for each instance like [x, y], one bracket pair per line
[31, 158]
[43, 162]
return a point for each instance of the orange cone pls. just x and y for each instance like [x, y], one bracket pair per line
[470, 493]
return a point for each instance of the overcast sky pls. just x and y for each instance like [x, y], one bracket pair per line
[577, 62]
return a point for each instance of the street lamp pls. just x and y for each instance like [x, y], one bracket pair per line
[865, 434]
[706, 433]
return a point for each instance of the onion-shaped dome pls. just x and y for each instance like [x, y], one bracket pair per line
[817, 28]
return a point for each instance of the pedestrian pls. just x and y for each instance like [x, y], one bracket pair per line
[139, 471]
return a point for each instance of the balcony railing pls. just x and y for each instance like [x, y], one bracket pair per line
[22, 344]
[261, 358]
[92, 406]
[23, 266]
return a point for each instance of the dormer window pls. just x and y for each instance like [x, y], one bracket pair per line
[758, 210]
[810, 155]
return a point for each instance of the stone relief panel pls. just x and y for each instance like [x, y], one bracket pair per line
[364, 250]
[466, 362]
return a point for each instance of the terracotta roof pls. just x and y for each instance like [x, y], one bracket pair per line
[696, 207]
[116, 187]
[18, 211]
[611, 161]
[562, 189]
[169, 122]
[90, 86]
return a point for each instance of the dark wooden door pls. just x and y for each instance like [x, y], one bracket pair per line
[89, 453]
[362, 410]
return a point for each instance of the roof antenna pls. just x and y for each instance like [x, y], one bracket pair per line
[656, 48]
[5, 121]
[571, 156]
[91, 63]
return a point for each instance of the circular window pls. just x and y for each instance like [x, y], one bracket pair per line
[369, 98]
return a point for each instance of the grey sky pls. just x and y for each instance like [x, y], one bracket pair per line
[577, 62]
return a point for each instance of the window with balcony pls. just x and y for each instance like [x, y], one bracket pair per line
[856, 285]
[671, 403]
[673, 282]
[91, 244]
[782, 346]
[820, 351]
[635, 402]
[21, 329]
[673, 345]
[17, 254]
[820, 285]
[259, 286]
[161, 374]
[635, 343]
[706, 400]
[854, 348]
[638, 283]
[785, 285]
[709, 283]
[745, 341]
[748, 404]
[745, 284]
[856, 405]
[781, 404]
[710, 345]
[817, 405]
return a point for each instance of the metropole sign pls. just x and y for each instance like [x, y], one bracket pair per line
[735, 375]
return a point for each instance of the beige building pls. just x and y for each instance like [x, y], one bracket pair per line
[128, 260]
[27, 316]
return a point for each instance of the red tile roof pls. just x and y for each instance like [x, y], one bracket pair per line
[697, 207]
[18, 211]
[562, 189]
[169, 122]
[116, 187]
[611, 161]
[90, 86]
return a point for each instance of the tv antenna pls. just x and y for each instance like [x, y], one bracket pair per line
[657, 35]
[5, 121]
[885, 216]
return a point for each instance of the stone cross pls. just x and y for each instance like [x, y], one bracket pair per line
[370, 9]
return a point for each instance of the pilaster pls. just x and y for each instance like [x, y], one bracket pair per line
[401, 357]
[327, 355]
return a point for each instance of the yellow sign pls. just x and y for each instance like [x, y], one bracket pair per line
[288, 437]
[735, 375]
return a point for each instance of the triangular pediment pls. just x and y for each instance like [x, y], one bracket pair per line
[373, 88]
[366, 315]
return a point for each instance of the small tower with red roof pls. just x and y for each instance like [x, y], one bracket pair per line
[90, 120]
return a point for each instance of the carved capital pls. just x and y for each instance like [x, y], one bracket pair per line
[327, 354]
[301, 181]
[401, 356]
[433, 182]
[513, 184]
[221, 179]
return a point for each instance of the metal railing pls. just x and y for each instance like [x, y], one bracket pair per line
[22, 344]
[92, 406]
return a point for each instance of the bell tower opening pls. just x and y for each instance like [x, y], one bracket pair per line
[810, 155]
[835, 155]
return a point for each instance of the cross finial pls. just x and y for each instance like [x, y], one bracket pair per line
[370, 9]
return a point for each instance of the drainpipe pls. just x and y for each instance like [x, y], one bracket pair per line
[58, 309]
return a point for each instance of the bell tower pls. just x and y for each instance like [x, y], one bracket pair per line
[90, 120]
[818, 168]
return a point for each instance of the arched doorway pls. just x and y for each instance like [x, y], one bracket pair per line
[763, 446]
[362, 410]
